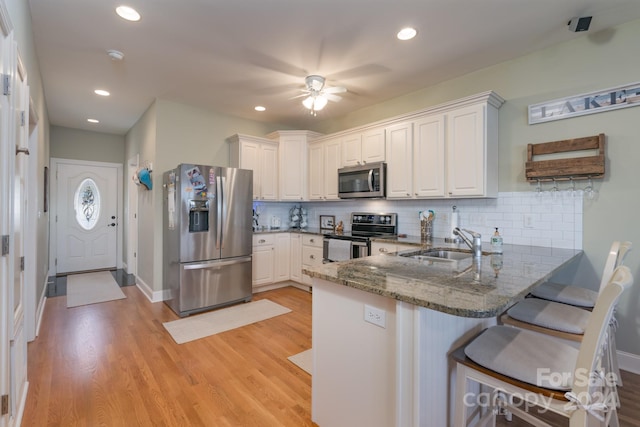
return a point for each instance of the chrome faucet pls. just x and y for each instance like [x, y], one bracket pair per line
[476, 245]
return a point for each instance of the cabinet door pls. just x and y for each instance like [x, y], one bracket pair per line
[428, 157]
[466, 151]
[250, 159]
[351, 150]
[373, 147]
[332, 161]
[282, 261]
[296, 258]
[293, 167]
[399, 161]
[316, 171]
[269, 172]
[263, 257]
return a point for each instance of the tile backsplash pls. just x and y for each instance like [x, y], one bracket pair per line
[523, 218]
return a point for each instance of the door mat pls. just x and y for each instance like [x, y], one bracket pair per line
[221, 320]
[92, 288]
[303, 360]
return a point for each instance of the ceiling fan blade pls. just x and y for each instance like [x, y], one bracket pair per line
[331, 97]
[302, 95]
[334, 89]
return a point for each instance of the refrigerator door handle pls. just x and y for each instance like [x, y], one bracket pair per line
[219, 212]
[224, 210]
[216, 264]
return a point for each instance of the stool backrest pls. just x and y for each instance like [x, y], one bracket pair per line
[617, 254]
[589, 355]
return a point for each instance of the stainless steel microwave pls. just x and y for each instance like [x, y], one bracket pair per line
[363, 181]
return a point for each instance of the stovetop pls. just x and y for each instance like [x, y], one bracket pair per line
[365, 225]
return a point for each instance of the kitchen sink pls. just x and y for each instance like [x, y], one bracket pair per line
[437, 254]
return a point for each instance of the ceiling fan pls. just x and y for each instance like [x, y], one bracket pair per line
[317, 94]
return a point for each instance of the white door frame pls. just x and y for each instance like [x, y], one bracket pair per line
[132, 216]
[54, 162]
[34, 303]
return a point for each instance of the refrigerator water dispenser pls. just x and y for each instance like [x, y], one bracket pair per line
[198, 216]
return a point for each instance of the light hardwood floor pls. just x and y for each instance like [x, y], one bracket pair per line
[114, 364]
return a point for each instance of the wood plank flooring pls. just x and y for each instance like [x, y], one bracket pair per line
[114, 364]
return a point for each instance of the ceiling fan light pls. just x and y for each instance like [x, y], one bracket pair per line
[308, 102]
[407, 33]
[320, 103]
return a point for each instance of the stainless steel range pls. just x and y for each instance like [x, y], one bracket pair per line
[357, 243]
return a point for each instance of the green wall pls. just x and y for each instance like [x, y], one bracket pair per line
[79, 144]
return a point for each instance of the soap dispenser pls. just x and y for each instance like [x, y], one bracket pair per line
[496, 242]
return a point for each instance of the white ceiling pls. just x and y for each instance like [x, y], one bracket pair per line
[230, 55]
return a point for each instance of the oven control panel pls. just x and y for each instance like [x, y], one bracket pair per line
[374, 219]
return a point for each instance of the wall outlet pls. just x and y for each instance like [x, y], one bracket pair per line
[528, 221]
[375, 315]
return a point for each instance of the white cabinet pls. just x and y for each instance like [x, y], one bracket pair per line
[452, 152]
[429, 156]
[261, 156]
[263, 260]
[311, 254]
[363, 147]
[293, 158]
[282, 261]
[472, 151]
[316, 171]
[324, 162]
[296, 257]
[399, 160]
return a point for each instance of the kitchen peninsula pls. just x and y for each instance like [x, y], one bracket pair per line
[383, 327]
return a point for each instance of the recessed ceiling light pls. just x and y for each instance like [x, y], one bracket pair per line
[128, 13]
[93, 121]
[116, 55]
[101, 92]
[259, 108]
[407, 33]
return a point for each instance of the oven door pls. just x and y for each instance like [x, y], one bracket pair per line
[337, 249]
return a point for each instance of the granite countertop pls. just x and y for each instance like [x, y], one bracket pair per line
[462, 288]
[311, 230]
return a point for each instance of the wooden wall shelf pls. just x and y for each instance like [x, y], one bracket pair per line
[565, 169]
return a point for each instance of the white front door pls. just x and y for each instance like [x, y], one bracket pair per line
[86, 214]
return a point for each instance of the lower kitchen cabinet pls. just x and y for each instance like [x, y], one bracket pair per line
[282, 261]
[311, 254]
[263, 260]
[296, 257]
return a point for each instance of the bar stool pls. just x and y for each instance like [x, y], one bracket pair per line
[579, 296]
[568, 321]
[524, 369]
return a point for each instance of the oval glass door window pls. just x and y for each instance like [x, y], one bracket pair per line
[87, 204]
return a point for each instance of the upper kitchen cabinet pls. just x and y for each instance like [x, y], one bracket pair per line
[452, 151]
[472, 151]
[324, 162]
[261, 156]
[293, 170]
[399, 160]
[363, 147]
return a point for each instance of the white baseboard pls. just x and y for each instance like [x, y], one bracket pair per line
[629, 362]
[40, 308]
[153, 296]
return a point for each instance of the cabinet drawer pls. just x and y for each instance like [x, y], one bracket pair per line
[264, 239]
[311, 256]
[312, 240]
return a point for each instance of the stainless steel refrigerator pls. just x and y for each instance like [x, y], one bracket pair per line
[207, 237]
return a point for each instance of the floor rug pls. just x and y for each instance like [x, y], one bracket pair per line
[303, 360]
[221, 320]
[92, 288]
